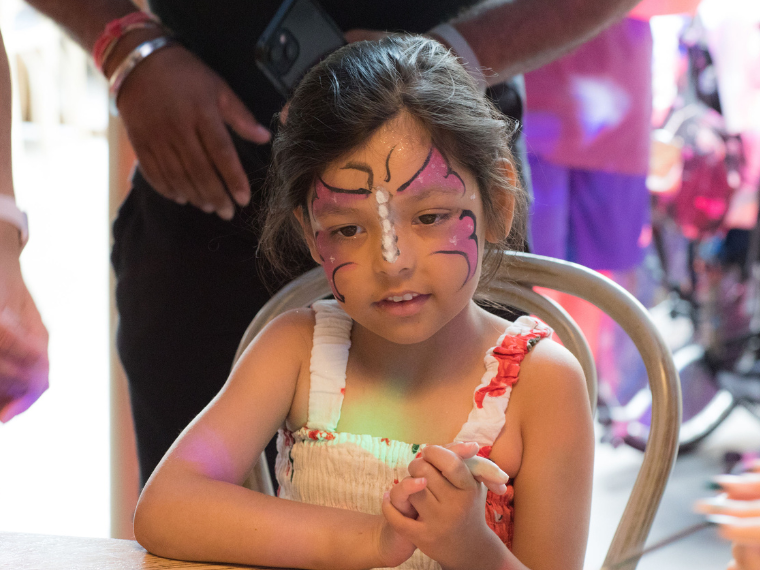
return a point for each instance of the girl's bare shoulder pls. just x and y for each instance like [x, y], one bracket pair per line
[288, 334]
[550, 370]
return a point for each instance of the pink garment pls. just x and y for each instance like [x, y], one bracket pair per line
[592, 109]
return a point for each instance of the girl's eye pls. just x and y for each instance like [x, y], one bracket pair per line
[430, 219]
[347, 231]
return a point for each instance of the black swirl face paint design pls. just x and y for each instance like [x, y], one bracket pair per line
[464, 240]
[325, 198]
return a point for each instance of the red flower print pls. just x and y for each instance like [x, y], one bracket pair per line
[485, 451]
[316, 434]
[509, 356]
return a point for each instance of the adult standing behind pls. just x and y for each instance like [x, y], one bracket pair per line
[587, 128]
[23, 337]
[196, 113]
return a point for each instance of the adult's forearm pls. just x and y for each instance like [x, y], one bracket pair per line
[6, 177]
[84, 20]
[515, 36]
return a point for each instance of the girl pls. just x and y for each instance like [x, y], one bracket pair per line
[395, 172]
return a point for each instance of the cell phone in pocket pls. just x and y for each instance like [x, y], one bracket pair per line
[298, 36]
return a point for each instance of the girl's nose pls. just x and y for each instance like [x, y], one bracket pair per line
[395, 253]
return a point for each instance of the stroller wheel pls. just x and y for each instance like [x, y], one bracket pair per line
[705, 404]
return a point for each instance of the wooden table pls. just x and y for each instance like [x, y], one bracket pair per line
[47, 552]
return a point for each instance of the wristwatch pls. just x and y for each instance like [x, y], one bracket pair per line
[10, 213]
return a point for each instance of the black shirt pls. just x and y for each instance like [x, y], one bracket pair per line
[223, 33]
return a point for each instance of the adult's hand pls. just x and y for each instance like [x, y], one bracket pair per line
[738, 512]
[23, 342]
[175, 109]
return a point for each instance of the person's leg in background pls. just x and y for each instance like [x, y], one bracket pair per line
[608, 229]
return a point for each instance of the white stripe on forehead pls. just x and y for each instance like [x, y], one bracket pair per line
[389, 239]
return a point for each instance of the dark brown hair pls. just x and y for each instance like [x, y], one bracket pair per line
[347, 97]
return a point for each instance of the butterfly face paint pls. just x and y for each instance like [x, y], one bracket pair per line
[420, 207]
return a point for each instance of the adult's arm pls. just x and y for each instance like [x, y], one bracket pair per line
[23, 337]
[510, 37]
[174, 108]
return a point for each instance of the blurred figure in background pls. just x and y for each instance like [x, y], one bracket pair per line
[588, 129]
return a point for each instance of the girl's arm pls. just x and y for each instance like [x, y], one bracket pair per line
[553, 485]
[194, 507]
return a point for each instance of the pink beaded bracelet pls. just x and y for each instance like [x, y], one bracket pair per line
[115, 30]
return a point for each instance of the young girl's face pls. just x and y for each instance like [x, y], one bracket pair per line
[399, 232]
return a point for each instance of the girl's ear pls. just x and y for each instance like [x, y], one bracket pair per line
[504, 205]
[308, 235]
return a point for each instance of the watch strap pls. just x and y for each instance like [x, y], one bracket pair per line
[10, 213]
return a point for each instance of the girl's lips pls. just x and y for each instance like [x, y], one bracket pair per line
[403, 308]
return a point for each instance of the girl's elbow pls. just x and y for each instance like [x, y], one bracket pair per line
[147, 526]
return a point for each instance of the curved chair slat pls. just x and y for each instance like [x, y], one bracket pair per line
[664, 383]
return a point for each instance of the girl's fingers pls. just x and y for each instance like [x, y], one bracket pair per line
[450, 465]
[486, 471]
[495, 488]
[464, 449]
[401, 492]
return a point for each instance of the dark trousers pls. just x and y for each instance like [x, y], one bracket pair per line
[188, 285]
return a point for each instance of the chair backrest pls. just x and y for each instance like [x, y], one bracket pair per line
[514, 287]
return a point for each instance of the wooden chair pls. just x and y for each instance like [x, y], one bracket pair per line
[515, 288]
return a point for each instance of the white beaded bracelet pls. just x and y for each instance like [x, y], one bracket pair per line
[130, 62]
[462, 49]
[10, 213]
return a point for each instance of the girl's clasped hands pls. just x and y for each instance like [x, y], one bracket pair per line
[438, 508]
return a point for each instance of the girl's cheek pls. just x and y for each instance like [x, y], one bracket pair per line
[459, 239]
[335, 261]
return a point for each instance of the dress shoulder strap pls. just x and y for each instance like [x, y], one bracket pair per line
[329, 357]
[502, 364]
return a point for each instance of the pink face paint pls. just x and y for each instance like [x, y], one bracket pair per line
[325, 198]
[332, 262]
[464, 242]
[435, 172]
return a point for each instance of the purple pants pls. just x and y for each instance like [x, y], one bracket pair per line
[588, 217]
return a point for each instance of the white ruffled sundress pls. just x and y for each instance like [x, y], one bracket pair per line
[318, 465]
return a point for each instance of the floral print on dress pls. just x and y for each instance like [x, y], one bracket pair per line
[509, 355]
[500, 508]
